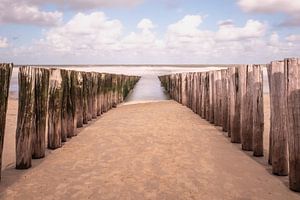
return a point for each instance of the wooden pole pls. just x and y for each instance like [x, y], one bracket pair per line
[85, 94]
[217, 98]
[99, 94]
[279, 115]
[258, 111]
[94, 81]
[5, 76]
[271, 118]
[293, 98]
[207, 96]
[211, 97]
[65, 103]
[246, 84]
[79, 98]
[73, 117]
[54, 109]
[26, 117]
[234, 110]
[41, 112]
[224, 98]
[183, 89]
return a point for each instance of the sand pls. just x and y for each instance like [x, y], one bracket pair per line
[158, 150]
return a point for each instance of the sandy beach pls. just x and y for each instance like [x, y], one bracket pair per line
[159, 150]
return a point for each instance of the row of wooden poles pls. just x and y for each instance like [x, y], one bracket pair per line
[54, 102]
[233, 99]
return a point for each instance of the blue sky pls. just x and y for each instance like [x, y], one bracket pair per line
[148, 31]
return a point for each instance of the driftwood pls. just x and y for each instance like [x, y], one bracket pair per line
[26, 118]
[5, 76]
[258, 111]
[293, 98]
[55, 109]
[41, 112]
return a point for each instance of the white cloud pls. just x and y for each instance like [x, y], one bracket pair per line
[3, 42]
[293, 38]
[22, 13]
[252, 29]
[91, 32]
[94, 38]
[145, 24]
[270, 6]
[288, 7]
[88, 4]
[188, 26]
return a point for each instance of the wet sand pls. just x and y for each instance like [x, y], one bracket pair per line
[158, 150]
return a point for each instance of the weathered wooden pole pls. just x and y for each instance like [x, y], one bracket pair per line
[54, 109]
[207, 96]
[194, 92]
[271, 120]
[293, 98]
[72, 116]
[94, 81]
[224, 93]
[211, 96]
[279, 118]
[26, 118]
[258, 111]
[41, 112]
[5, 76]
[246, 84]
[65, 103]
[99, 94]
[234, 110]
[183, 89]
[202, 97]
[89, 82]
[78, 84]
[85, 94]
[217, 98]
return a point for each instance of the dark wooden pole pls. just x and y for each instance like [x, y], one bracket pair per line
[258, 111]
[41, 112]
[26, 117]
[54, 109]
[293, 98]
[5, 76]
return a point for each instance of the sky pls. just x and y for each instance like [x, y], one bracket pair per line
[148, 31]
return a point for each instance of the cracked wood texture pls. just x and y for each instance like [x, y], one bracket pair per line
[293, 99]
[5, 76]
[41, 112]
[26, 117]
